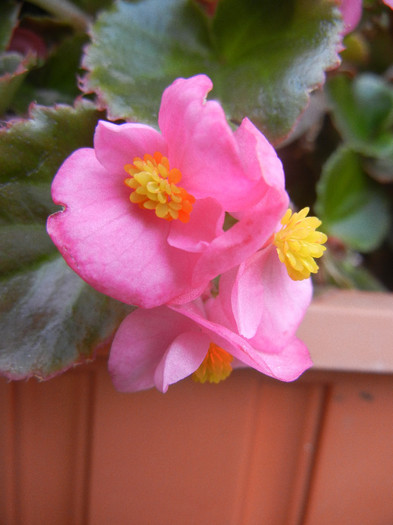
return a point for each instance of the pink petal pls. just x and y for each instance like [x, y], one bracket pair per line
[182, 358]
[219, 309]
[221, 335]
[202, 145]
[288, 365]
[189, 295]
[266, 302]
[284, 302]
[351, 11]
[140, 345]
[283, 366]
[389, 3]
[245, 295]
[111, 243]
[206, 220]
[247, 236]
[291, 362]
[259, 158]
[259, 219]
[118, 144]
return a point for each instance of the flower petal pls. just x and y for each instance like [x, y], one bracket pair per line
[182, 358]
[291, 362]
[201, 144]
[242, 295]
[259, 220]
[287, 365]
[247, 236]
[205, 224]
[283, 302]
[140, 345]
[118, 144]
[351, 11]
[259, 158]
[111, 243]
[272, 312]
[282, 365]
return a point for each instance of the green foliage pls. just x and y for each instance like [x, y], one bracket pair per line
[51, 135]
[49, 317]
[363, 112]
[351, 207]
[13, 70]
[31, 152]
[50, 320]
[8, 20]
[56, 80]
[263, 57]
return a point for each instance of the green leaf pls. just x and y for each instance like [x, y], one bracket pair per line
[363, 112]
[13, 69]
[263, 57]
[50, 320]
[380, 169]
[8, 20]
[32, 150]
[62, 67]
[56, 81]
[23, 245]
[351, 207]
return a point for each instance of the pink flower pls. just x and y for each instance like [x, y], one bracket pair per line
[163, 345]
[261, 302]
[144, 210]
[351, 11]
[251, 322]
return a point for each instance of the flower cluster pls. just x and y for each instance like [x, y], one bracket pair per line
[191, 224]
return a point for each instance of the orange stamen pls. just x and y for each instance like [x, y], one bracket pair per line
[154, 187]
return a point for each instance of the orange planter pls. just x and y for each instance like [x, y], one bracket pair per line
[247, 451]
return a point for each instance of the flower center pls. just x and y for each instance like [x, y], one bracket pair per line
[298, 243]
[215, 367]
[154, 187]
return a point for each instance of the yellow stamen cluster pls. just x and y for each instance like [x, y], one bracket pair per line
[215, 367]
[298, 243]
[154, 188]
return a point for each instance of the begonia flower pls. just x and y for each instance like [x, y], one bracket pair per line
[160, 346]
[143, 211]
[251, 322]
[268, 294]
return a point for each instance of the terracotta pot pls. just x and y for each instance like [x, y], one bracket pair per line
[247, 451]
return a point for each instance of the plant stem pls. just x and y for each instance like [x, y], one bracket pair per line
[65, 11]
